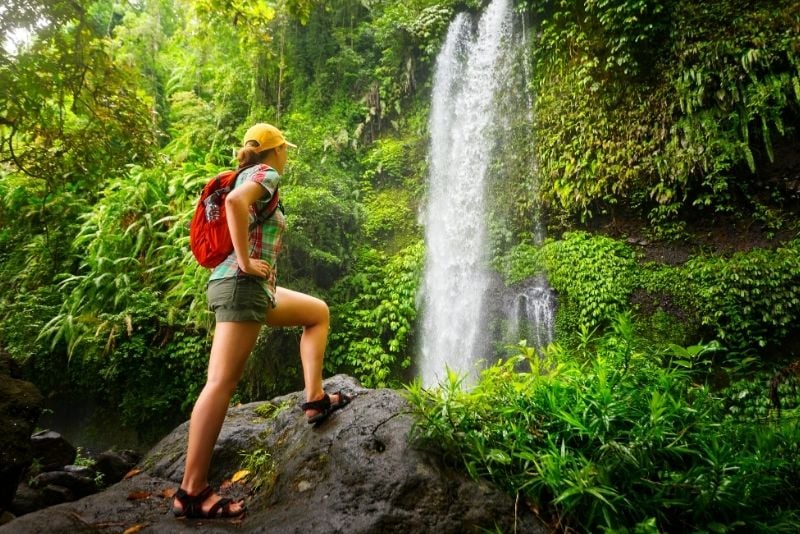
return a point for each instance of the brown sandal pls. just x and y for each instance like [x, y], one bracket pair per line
[192, 506]
[325, 407]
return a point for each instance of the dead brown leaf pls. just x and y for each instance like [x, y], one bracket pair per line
[138, 495]
[169, 493]
[132, 473]
[135, 528]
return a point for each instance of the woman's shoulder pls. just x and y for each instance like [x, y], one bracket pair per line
[265, 175]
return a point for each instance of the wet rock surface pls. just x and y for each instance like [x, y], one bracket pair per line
[20, 406]
[114, 465]
[46, 481]
[355, 473]
[51, 450]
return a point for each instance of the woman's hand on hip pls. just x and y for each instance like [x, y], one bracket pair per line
[255, 267]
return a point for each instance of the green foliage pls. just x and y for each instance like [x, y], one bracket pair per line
[593, 273]
[412, 32]
[71, 116]
[609, 439]
[751, 298]
[70, 113]
[373, 325]
[320, 231]
[366, 53]
[661, 105]
[124, 310]
[388, 188]
[158, 382]
[665, 305]
[386, 163]
[746, 398]
[604, 37]
[83, 460]
[388, 214]
[261, 467]
[593, 276]
[523, 261]
[274, 366]
[747, 301]
[269, 410]
[30, 14]
[98, 286]
[24, 316]
[119, 246]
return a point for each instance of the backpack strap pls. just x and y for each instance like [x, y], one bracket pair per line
[273, 204]
[269, 210]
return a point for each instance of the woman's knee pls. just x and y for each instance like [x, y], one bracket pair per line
[298, 309]
[221, 386]
[324, 312]
[318, 312]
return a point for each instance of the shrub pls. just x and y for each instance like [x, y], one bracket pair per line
[616, 441]
[593, 276]
[751, 299]
[374, 324]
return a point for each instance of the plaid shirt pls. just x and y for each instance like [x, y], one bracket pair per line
[265, 240]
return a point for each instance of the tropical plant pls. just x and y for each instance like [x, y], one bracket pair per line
[656, 106]
[611, 440]
[374, 325]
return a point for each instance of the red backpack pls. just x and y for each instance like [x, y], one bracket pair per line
[209, 236]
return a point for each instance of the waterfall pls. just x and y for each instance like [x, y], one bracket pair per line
[469, 75]
[529, 310]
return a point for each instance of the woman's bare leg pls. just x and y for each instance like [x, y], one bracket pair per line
[233, 342]
[299, 309]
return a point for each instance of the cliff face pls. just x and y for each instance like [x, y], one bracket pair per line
[356, 472]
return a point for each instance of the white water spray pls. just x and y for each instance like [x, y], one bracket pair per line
[529, 310]
[469, 74]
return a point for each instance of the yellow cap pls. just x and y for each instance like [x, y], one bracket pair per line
[267, 136]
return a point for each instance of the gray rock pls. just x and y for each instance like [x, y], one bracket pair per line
[55, 494]
[51, 450]
[115, 464]
[26, 500]
[80, 485]
[81, 470]
[20, 406]
[355, 473]
[6, 517]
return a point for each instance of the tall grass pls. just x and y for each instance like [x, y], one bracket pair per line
[611, 439]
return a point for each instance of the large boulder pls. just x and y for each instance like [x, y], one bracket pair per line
[354, 473]
[20, 407]
[114, 465]
[52, 450]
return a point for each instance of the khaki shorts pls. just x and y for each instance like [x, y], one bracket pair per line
[239, 298]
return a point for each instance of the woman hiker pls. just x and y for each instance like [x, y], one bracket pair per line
[243, 295]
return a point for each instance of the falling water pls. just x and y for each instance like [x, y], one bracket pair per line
[469, 74]
[529, 310]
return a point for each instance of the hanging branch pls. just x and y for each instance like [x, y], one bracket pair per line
[14, 157]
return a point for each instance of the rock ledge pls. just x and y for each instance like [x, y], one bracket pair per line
[355, 473]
